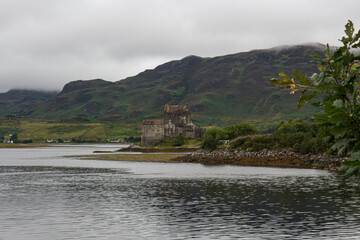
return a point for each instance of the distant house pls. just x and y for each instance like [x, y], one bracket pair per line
[115, 140]
[7, 139]
[66, 141]
[49, 140]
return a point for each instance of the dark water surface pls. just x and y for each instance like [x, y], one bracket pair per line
[46, 196]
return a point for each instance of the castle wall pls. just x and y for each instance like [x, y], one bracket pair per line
[178, 118]
[178, 115]
[170, 130]
[151, 134]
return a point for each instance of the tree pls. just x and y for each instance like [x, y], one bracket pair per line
[335, 89]
[240, 129]
[212, 137]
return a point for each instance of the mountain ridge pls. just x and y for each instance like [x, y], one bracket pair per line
[19, 101]
[219, 90]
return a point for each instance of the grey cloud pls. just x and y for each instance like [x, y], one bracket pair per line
[47, 43]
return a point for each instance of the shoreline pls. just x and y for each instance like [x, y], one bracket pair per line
[264, 158]
[157, 150]
[26, 146]
[40, 145]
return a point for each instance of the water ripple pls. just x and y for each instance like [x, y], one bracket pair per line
[92, 203]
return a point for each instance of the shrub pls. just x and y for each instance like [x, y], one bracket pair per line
[295, 126]
[299, 135]
[179, 140]
[239, 142]
[240, 129]
[259, 143]
[212, 137]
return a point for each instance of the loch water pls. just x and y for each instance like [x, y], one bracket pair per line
[44, 195]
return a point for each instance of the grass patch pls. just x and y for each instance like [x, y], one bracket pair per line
[171, 142]
[121, 130]
[39, 130]
[66, 128]
[8, 130]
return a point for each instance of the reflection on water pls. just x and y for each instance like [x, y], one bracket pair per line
[163, 201]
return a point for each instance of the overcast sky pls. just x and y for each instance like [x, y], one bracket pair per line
[48, 43]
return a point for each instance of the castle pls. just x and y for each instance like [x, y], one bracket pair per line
[176, 121]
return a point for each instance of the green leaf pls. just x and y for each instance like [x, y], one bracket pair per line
[339, 118]
[349, 29]
[350, 168]
[347, 59]
[328, 51]
[355, 156]
[357, 37]
[342, 146]
[321, 118]
[278, 82]
[338, 131]
[322, 76]
[345, 40]
[339, 103]
[338, 66]
[355, 95]
[316, 104]
[356, 45]
[351, 78]
[318, 57]
[304, 99]
[301, 78]
[355, 66]
[321, 67]
[284, 76]
[326, 87]
[315, 79]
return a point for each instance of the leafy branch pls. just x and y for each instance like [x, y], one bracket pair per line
[335, 89]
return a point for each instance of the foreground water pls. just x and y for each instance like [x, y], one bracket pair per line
[46, 196]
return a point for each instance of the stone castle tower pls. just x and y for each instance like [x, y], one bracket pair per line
[176, 121]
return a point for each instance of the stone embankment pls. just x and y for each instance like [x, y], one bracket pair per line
[265, 158]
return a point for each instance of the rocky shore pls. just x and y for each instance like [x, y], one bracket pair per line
[265, 158]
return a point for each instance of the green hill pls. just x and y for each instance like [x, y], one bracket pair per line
[19, 101]
[220, 90]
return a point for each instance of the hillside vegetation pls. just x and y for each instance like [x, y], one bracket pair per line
[220, 91]
[37, 130]
[21, 101]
